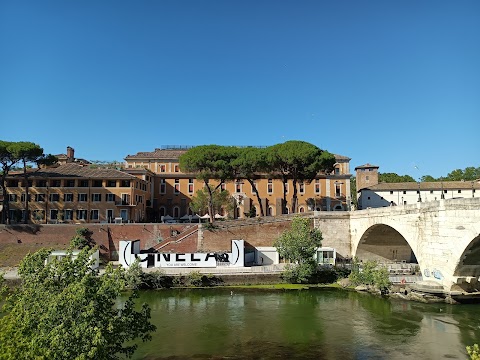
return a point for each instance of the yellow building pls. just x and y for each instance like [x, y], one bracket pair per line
[80, 193]
[173, 189]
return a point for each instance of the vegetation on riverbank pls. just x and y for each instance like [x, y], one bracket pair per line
[64, 309]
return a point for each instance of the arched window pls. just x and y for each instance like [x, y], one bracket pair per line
[176, 212]
[301, 209]
[270, 211]
[162, 211]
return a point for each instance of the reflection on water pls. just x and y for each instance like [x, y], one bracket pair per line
[313, 324]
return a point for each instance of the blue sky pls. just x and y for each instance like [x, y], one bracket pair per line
[392, 83]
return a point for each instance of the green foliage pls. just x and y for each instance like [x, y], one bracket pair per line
[193, 278]
[65, 310]
[221, 200]
[134, 276]
[299, 161]
[302, 273]
[394, 178]
[82, 239]
[370, 273]
[298, 245]
[473, 352]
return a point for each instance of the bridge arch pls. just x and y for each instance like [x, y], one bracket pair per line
[469, 262]
[384, 243]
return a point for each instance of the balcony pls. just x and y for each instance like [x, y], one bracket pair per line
[125, 203]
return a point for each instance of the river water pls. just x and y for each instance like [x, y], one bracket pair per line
[305, 324]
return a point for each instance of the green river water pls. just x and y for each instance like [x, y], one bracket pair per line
[304, 324]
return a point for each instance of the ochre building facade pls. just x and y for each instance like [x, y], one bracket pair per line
[173, 189]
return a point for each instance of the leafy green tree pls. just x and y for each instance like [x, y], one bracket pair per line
[221, 199]
[248, 164]
[428, 178]
[394, 178]
[210, 162]
[298, 245]
[65, 310]
[8, 159]
[299, 161]
[82, 239]
[370, 273]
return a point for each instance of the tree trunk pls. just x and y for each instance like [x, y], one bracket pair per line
[294, 199]
[25, 176]
[210, 203]
[258, 196]
[284, 205]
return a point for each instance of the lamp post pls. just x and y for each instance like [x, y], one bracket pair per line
[442, 195]
[473, 191]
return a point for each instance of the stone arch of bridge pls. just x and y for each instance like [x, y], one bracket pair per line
[385, 243]
[469, 261]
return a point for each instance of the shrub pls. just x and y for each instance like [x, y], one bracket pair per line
[473, 352]
[369, 273]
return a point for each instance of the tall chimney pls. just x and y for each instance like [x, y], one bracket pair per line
[70, 154]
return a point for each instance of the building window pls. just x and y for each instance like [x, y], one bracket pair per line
[238, 186]
[97, 197]
[40, 197]
[404, 192]
[70, 183]
[56, 183]
[68, 214]
[163, 186]
[391, 192]
[176, 212]
[12, 183]
[94, 214]
[125, 199]
[270, 186]
[431, 191]
[337, 171]
[301, 209]
[111, 183]
[53, 214]
[317, 186]
[191, 187]
[82, 197]
[110, 197]
[366, 178]
[176, 168]
[68, 197]
[301, 188]
[54, 197]
[459, 191]
[162, 211]
[338, 190]
[83, 183]
[162, 168]
[176, 189]
[41, 183]
[97, 183]
[270, 211]
[12, 197]
[81, 214]
[125, 183]
[223, 186]
[110, 215]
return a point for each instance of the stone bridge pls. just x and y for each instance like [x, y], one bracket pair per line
[442, 236]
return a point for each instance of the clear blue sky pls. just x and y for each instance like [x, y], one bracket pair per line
[392, 83]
